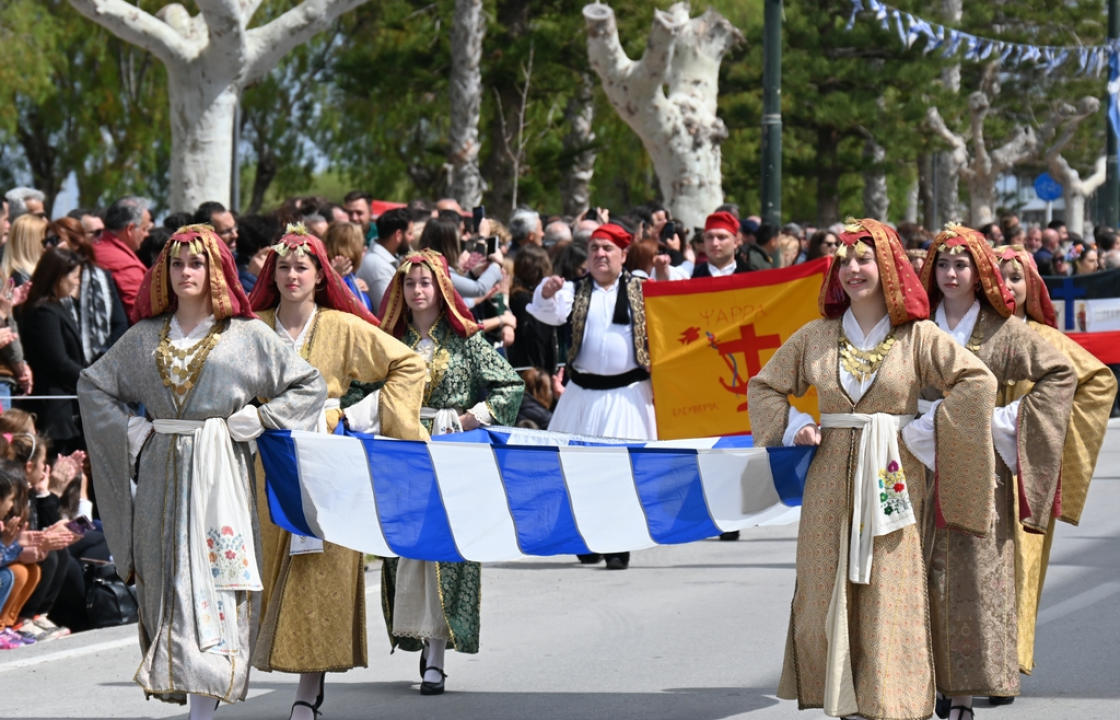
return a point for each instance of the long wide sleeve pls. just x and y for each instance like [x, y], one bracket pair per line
[375, 355]
[1088, 420]
[500, 386]
[965, 459]
[103, 390]
[295, 389]
[768, 392]
[1043, 418]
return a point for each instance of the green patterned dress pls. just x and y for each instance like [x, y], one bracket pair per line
[464, 374]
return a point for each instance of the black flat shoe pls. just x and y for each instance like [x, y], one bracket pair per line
[433, 688]
[314, 707]
[962, 708]
[1001, 699]
[300, 703]
[733, 535]
[615, 562]
[941, 707]
[590, 559]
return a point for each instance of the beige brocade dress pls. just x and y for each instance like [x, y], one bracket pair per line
[888, 647]
[972, 578]
[313, 605]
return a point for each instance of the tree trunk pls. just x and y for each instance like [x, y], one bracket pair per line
[1074, 189]
[513, 19]
[981, 200]
[926, 180]
[209, 58]
[876, 202]
[201, 139]
[668, 98]
[262, 179]
[911, 212]
[828, 189]
[947, 166]
[579, 146]
[467, 31]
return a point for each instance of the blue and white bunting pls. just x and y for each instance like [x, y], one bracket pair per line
[1089, 60]
[505, 493]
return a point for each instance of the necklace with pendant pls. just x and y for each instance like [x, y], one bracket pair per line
[862, 364]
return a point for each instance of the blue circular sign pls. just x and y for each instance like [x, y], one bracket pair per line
[1047, 188]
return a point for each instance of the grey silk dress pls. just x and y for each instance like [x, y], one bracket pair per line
[148, 535]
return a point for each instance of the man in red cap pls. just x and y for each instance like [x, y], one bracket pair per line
[608, 394]
[721, 243]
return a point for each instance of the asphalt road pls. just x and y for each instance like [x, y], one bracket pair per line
[690, 632]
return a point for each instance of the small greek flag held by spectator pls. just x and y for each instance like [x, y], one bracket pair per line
[504, 493]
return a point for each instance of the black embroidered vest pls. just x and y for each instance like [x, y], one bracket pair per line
[629, 302]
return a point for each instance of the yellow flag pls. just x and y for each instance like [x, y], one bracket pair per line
[708, 336]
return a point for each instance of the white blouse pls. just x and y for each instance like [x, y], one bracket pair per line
[607, 348]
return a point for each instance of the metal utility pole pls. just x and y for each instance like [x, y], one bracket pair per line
[1110, 203]
[771, 210]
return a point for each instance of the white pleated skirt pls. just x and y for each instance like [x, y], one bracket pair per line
[625, 412]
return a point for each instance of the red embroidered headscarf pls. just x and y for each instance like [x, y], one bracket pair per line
[331, 292]
[394, 310]
[226, 295]
[1039, 308]
[901, 288]
[956, 239]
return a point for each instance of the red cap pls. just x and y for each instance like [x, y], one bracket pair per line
[615, 233]
[722, 220]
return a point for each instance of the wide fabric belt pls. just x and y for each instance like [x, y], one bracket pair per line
[588, 381]
[222, 552]
[880, 499]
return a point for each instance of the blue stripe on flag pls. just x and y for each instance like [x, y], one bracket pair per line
[413, 518]
[285, 502]
[539, 501]
[734, 441]
[789, 466]
[672, 495]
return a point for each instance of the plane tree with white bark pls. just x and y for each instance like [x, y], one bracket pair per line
[210, 58]
[668, 98]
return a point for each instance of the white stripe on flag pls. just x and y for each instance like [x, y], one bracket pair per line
[739, 487]
[475, 499]
[685, 443]
[341, 497]
[605, 502]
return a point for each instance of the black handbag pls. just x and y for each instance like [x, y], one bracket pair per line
[109, 601]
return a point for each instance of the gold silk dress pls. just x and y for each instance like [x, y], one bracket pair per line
[314, 605]
[1088, 421]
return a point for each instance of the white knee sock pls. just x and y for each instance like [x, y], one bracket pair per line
[307, 691]
[433, 656]
[202, 707]
[962, 701]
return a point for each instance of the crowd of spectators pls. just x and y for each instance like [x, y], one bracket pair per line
[67, 288]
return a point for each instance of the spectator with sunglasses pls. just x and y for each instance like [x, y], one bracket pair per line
[822, 244]
[53, 344]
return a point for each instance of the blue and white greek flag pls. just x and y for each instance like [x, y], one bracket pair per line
[505, 493]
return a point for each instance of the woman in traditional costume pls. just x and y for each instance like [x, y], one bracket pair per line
[313, 606]
[859, 631]
[1092, 402]
[195, 361]
[972, 577]
[431, 606]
